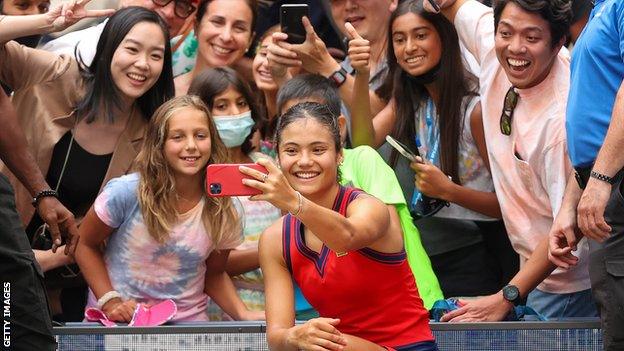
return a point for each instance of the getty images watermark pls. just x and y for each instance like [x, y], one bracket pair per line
[6, 314]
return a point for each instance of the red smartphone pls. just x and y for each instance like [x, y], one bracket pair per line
[227, 180]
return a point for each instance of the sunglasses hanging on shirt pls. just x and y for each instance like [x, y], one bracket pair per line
[509, 105]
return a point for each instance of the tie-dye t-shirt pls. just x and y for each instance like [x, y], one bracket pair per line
[141, 268]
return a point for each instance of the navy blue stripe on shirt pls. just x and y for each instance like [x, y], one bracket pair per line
[382, 257]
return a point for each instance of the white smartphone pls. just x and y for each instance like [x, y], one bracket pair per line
[402, 149]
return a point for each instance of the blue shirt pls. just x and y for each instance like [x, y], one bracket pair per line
[597, 71]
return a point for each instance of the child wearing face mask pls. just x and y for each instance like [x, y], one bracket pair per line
[232, 105]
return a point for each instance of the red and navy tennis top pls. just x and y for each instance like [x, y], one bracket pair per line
[373, 293]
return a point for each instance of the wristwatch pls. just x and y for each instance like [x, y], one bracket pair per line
[602, 177]
[512, 294]
[339, 77]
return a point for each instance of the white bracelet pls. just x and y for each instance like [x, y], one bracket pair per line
[107, 297]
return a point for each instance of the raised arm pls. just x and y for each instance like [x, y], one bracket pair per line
[366, 225]
[363, 132]
[448, 8]
[314, 57]
[366, 129]
[474, 23]
[57, 19]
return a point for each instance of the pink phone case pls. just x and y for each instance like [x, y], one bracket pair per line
[227, 180]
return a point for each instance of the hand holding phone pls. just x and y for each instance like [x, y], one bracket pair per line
[434, 6]
[291, 24]
[227, 180]
[404, 150]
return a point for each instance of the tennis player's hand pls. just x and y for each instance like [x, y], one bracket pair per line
[317, 334]
[273, 184]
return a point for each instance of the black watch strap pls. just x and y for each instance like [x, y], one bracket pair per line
[602, 177]
[42, 194]
[511, 293]
[339, 77]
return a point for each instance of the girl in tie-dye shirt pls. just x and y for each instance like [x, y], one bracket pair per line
[165, 238]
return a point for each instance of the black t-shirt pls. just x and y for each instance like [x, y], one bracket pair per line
[78, 189]
[81, 180]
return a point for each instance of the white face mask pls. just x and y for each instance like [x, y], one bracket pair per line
[234, 129]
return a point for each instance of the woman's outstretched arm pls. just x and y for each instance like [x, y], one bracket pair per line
[57, 19]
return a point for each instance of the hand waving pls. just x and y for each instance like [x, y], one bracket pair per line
[70, 12]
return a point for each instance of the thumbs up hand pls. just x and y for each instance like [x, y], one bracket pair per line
[359, 50]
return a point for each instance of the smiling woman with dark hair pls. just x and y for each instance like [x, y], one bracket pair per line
[85, 123]
[434, 108]
[224, 30]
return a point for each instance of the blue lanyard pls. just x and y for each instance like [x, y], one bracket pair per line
[433, 141]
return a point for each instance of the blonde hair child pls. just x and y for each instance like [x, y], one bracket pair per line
[164, 238]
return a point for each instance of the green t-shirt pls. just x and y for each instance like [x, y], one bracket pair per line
[364, 168]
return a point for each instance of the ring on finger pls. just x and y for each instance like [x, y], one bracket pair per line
[265, 176]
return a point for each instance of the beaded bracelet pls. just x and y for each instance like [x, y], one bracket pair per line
[299, 206]
[602, 177]
[42, 194]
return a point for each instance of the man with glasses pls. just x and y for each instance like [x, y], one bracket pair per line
[595, 129]
[174, 12]
[524, 81]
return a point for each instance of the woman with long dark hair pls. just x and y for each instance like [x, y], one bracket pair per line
[224, 30]
[85, 124]
[433, 108]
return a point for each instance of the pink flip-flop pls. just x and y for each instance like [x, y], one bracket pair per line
[95, 315]
[155, 315]
[143, 316]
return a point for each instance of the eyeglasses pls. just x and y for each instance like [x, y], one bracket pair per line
[182, 8]
[511, 100]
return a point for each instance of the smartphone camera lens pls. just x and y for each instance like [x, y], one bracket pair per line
[215, 188]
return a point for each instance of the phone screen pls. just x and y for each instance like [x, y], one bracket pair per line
[290, 21]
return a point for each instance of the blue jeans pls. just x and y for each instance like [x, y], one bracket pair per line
[556, 306]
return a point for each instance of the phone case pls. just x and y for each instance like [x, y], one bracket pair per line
[290, 22]
[402, 148]
[226, 180]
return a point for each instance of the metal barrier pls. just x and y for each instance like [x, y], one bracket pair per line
[573, 335]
